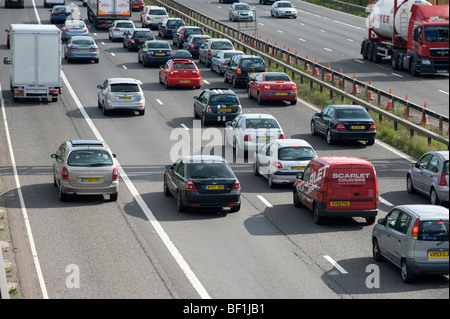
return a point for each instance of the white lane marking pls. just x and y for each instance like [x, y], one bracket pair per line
[328, 49]
[359, 61]
[442, 91]
[147, 211]
[280, 31]
[113, 54]
[302, 39]
[351, 40]
[335, 264]
[264, 201]
[34, 254]
[185, 127]
[123, 66]
[206, 82]
[103, 43]
[159, 101]
[349, 25]
[398, 75]
[385, 202]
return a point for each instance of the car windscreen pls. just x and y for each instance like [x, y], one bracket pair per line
[175, 23]
[296, 153]
[124, 87]
[75, 24]
[188, 32]
[219, 99]
[352, 114]
[221, 46]
[209, 170]
[124, 25]
[277, 77]
[89, 158]
[433, 230]
[261, 123]
[285, 5]
[183, 65]
[143, 35]
[242, 7]
[157, 45]
[83, 42]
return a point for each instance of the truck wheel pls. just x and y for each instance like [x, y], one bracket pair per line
[413, 67]
[394, 61]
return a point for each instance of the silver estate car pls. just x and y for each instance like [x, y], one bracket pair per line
[414, 238]
[72, 28]
[117, 30]
[429, 176]
[121, 93]
[85, 167]
[81, 48]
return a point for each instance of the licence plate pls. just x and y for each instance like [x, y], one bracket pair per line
[185, 81]
[438, 254]
[358, 127]
[339, 203]
[265, 138]
[125, 98]
[212, 187]
[160, 54]
[281, 93]
[62, 14]
[225, 110]
[19, 94]
[298, 168]
[90, 179]
[84, 50]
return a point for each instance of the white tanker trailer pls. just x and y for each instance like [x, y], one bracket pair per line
[414, 33]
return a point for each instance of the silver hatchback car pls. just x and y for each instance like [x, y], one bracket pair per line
[85, 167]
[429, 176]
[414, 238]
[121, 93]
[118, 29]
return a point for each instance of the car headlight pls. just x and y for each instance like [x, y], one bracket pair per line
[426, 62]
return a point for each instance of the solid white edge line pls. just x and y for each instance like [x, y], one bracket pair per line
[22, 202]
[335, 264]
[147, 211]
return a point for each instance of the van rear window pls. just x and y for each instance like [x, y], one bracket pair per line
[434, 230]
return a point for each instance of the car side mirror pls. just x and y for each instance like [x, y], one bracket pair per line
[114, 155]
[382, 221]
[195, 97]
[99, 87]
[299, 175]
[53, 156]
[168, 167]
[6, 60]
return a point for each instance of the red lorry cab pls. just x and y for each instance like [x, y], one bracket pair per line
[338, 186]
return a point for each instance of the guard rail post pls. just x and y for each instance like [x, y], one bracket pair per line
[4, 293]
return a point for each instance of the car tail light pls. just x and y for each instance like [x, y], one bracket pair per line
[115, 174]
[236, 185]
[209, 53]
[65, 174]
[182, 36]
[267, 87]
[247, 137]
[166, 28]
[208, 109]
[415, 229]
[282, 137]
[169, 53]
[277, 164]
[192, 46]
[150, 52]
[190, 186]
[373, 127]
[239, 71]
[132, 41]
[94, 47]
[239, 109]
[294, 87]
[72, 47]
[442, 180]
[53, 92]
[340, 126]
[85, 31]
[66, 30]
[265, 70]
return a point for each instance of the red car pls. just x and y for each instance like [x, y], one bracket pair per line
[180, 72]
[271, 86]
[137, 5]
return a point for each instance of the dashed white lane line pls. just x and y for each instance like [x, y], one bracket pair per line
[185, 127]
[113, 54]
[397, 75]
[335, 264]
[326, 49]
[264, 201]
[159, 101]
[442, 91]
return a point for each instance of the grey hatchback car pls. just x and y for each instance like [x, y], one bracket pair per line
[85, 167]
[429, 176]
[121, 93]
[414, 238]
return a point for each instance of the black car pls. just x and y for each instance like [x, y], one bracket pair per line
[135, 39]
[240, 65]
[183, 33]
[155, 52]
[344, 122]
[169, 26]
[194, 42]
[202, 181]
[228, 1]
[217, 104]
[266, 1]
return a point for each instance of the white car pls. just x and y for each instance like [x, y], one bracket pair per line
[283, 9]
[119, 27]
[152, 16]
[248, 132]
[281, 160]
[240, 12]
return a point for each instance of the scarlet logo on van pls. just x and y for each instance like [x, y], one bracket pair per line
[350, 178]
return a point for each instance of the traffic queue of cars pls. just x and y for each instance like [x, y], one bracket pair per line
[327, 185]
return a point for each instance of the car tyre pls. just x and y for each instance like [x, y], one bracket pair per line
[165, 188]
[294, 102]
[296, 200]
[270, 180]
[113, 197]
[409, 185]
[376, 251]
[62, 196]
[255, 169]
[236, 208]
[204, 120]
[225, 79]
[313, 128]
[434, 199]
[370, 220]
[317, 218]
[259, 98]
[370, 142]
[180, 206]
[406, 276]
[330, 140]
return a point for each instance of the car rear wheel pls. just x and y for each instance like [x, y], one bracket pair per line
[62, 196]
[406, 276]
[409, 185]
[113, 197]
[260, 100]
[296, 200]
[330, 140]
[317, 218]
[180, 206]
[165, 188]
[434, 199]
[376, 251]
[313, 128]
[236, 208]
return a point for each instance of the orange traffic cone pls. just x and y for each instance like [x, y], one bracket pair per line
[424, 115]
[389, 103]
[369, 93]
[340, 79]
[405, 110]
[308, 68]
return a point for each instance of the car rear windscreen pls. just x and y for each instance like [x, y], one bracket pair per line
[124, 87]
[219, 99]
[157, 12]
[89, 158]
[295, 153]
[157, 45]
[221, 46]
[352, 114]
[261, 123]
[277, 77]
[124, 25]
[143, 35]
[433, 230]
[83, 42]
[183, 65]
[209, 170]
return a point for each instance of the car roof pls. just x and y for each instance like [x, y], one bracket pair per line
[347, 106]
[218, 39]
[258, 115]
[444, 154]
[84, 143]
[220, 90]
[116, 21]
[336, 159]
[122, 80]
[426, 211]
[142, 29]
[292, 142]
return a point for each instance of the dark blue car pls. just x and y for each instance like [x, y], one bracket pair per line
[194, 42]
[59, 14]
[228, 1]
[154, 52]
[169, 26]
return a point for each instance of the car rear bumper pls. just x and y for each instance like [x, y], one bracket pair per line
[67, 188]
[156, 59]
[366, 136]
[323, 211]
[220, 117]
[195, 199]
[83, 55]
[180, 82]
[137, 106]
[427, 268]
[272, 96]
